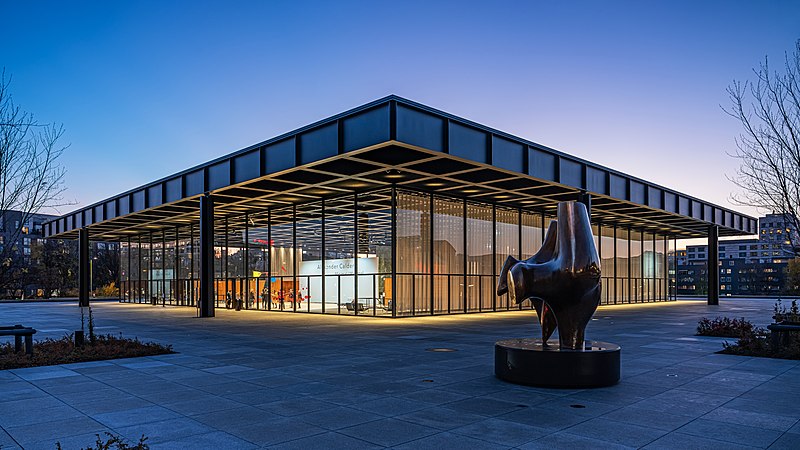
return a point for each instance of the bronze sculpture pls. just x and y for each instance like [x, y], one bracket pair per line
[562, 280]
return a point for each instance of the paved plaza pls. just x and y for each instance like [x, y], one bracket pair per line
[252, 379]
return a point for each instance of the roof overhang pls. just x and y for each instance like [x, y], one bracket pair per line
[395, 141]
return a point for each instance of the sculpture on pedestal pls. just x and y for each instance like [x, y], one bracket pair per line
[562, 281]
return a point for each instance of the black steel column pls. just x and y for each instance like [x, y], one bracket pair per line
[431, 255]
[191, 266]
[269, 259]
[246, 294]
[225, 257]
[586, 198]
[130, 280]
[466, 257]
[294, 257]
[206, 299]
[494, 257]
[713, 265]
[150, 261]
[324, 254]
[176, 268]
[164, 267]
[666, 268]
[519, 251]
[139, 290]
[355, 257]
[394, 252]
[616, 282]
[83, 267]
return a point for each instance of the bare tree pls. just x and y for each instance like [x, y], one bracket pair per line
[31, 178]
[769, 147]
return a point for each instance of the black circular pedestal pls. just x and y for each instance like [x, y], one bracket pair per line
[527, 361]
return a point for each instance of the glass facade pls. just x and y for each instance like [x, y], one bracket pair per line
[389, 252]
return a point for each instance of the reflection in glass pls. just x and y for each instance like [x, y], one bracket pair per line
[448, 267]
[480, 277]
[413, 253]
[507, 242]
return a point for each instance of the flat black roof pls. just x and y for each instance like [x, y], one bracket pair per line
[394, 140]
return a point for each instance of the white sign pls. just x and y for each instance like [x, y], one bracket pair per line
[312, 287]
[339, 266]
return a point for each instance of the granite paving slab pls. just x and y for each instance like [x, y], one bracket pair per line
[250, 379]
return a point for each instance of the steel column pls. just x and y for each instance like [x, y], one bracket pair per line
[139, 272]
[466, 256]
[191, 266]
[176, 268]
[150, 267]
[164, 267]
[431, 254]
[206, 300]
[586, 198]
[494, 258]
[713, 265]
[246, 293]
[269, 258]
[355, 256]
[294, 256]
[83, 267]
[394, 251]
[324, 254]
[616, 290]
[130, 280]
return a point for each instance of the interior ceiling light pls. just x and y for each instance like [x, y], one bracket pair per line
[394, 174]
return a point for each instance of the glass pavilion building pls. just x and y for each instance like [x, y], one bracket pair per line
[390, 209]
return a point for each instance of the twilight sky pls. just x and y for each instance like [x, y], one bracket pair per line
[148, 88]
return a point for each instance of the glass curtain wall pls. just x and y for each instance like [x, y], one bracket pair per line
[124, 271]
[413, 253]
[340, 254]
[282, 283]
[607, 264]
[635, 266]
[308, 294]
[480, 258]
[507, 243]
[648, 267]
[532, 233]
[335, 256]
[258, 237]
[448, 264]
[375, 252]
[623, 285]
[661, 266]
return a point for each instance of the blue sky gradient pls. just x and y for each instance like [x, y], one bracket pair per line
[148, 88]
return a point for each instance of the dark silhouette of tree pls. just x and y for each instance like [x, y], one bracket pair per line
[792, 282]
[31, 178]
[105, 267]
[769, 146]
[54, 266]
